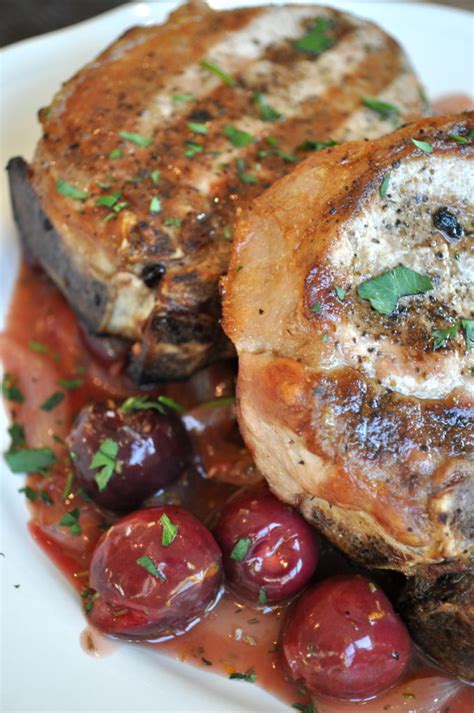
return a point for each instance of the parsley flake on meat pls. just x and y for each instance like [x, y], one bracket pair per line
[384, 291]
[70, 191]
[318, 38]
[135, 138]
[424, 146]
[211, 67]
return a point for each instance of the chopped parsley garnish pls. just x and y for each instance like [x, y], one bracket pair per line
[38, 347]
[141, 403]
[30, 460]
[116, 209]
[250, 676]
[442, 336]
[17, 435]
[240, 549]
[216, 403]
[317, 39]
[70, 191]
[135, 138]
[197, 127]
[155, 205]
[46, 497]
[383, 109]
[316, 307]
[468, 327]
[70, 383]
[227, 232]
[108, 201]
[173, 222]
[53, 401]
[275, 151]
[311, 145]
[211, 67]
[182, 98]
[462, 139]
[262, 596]
[115, 153]
[384, 185]
[105, 186]
[424, 146]
[29, 493]
[120, 206]
[244, 177]
[89, 596]
[171, 403]
[169, 531]
[192, 148]
[237, 137]
[267, 113]
[10, 389]
[384, 291]
[309, 708]
[155, 176]
[68, 485]
[71, 520]
[325, 338]
[105, 459]
[151, 567]
[340, 293]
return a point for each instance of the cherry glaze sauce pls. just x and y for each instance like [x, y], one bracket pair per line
[233, 638]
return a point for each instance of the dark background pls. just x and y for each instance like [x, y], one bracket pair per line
[25, 18]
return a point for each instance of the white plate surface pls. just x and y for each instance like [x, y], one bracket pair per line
[42, 666]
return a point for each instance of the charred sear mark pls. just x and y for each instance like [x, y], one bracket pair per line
[448, 224]
[152, 274]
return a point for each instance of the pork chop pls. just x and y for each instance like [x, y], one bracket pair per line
[149, 153]
[349, 299]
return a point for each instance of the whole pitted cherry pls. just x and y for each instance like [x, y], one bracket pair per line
[343, 639]
[123, 455]
[153, 574]
[270, 552]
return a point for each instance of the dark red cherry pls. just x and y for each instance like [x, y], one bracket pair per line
[270, 552]
[146, 450]
[153, 574]
[343, 639]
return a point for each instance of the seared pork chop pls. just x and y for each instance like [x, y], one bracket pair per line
[349, 299]
[149, 153]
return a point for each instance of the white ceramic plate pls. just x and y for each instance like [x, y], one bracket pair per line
[43, 667]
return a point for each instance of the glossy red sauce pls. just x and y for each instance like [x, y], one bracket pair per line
[233, 637]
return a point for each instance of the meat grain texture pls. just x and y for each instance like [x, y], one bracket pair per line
[139, 256]
[364, 420]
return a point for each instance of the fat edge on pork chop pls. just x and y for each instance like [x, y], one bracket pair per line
[151, 151]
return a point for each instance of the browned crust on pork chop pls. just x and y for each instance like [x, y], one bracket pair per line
[351, 414]
[157, 272]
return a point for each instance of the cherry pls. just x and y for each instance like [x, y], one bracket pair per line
[151, 450]
[343, 639]
[270, 552]
[153, 574]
